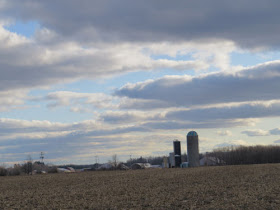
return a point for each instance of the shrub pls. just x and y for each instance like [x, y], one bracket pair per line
[14, 171]
[3, 171]
[52, 169]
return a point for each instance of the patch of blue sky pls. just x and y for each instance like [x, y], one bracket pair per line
[40, 111]
[250, 59]
[108, 85]
[43, 113]
[26, 29]
[269, 56]
[140, 76]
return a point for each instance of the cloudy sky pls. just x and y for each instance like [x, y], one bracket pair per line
[80, 79]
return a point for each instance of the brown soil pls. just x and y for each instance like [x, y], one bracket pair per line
[224, 187]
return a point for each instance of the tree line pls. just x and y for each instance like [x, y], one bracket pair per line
[28, 168]
[222, 156]
[246, 155]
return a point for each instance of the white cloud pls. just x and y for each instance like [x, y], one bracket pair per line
[81, 110]
[12, 100]
[12, 126]
[224, 133]
[232, 143]
[67, 98]
[40, 62]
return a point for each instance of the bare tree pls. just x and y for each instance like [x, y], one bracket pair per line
[28, 166]
[248, 154]
[115, 161]
[3, 170]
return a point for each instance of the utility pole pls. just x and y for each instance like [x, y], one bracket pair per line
[96, 162]
[130, 160]
[42, 157]
[29, 165]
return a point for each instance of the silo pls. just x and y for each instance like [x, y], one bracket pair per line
[165, 163]
[177, 152]
[171, 160]
[192, 148]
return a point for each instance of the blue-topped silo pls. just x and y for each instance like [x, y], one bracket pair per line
[192, 148]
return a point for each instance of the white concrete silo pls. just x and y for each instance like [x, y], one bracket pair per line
[193, 149]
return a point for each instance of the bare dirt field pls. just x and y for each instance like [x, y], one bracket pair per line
[224, 187]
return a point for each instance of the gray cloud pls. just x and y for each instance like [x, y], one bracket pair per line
[121, 118]
[67, 98]
[255, 83]
[25, 64]
[142, 104]
[175, 125]
[229, 115]
[199, 117]
[277, 142]
[240, 111]
[249, 23]
[13, 126]
[83, 149]
[12, 100]
[257, 132]
[38, 130]
[275, 131]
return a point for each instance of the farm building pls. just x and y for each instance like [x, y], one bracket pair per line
[184, 165]
[156, 166]
[105, 166]
[140, 166]
[122, 166]
[66, 170]
[210, 161]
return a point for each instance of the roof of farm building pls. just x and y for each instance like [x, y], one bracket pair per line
[192, 133]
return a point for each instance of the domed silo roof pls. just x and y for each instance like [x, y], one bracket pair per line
[192, 133]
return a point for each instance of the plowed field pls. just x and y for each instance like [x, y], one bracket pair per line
[224, 187]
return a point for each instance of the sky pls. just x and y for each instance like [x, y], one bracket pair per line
[94, 78]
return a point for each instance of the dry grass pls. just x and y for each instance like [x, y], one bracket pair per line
[228, 187]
